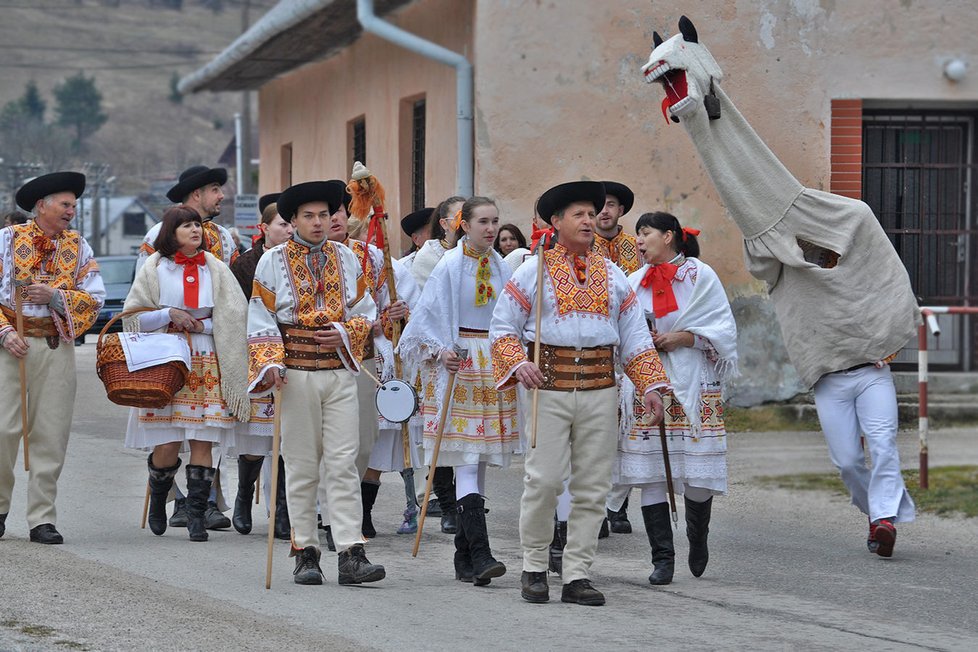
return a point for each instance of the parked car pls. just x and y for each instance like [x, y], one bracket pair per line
[118, 273]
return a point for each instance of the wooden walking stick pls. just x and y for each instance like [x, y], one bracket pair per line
[665, 460]
[22, 367]
[368, 194]
[447, 403]
[535, 409]
[276, 440]
[142, 522]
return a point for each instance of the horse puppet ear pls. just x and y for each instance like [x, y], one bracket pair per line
[687, 30]
[656, 40]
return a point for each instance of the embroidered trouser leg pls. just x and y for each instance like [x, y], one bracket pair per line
[576, 437]
[863, 401]
[319, 422]
[50, 403]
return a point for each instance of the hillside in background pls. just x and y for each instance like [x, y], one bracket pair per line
[132, 48]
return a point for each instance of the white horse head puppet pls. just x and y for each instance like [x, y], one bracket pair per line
[841, 293]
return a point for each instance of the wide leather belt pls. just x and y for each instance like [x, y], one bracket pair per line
[566, 369]
[304, 353]
[33, 326]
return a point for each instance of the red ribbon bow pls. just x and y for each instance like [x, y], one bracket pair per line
[689, 231]
[375, 233]
[43, 248]
[191, 277]
[537, 235]
[660, 278]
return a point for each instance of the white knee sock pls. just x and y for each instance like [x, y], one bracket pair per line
[466, 480]
[653, 495]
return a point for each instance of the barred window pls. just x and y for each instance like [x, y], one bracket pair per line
[417, 155]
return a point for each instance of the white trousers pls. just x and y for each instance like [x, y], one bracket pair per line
[577, 435]
[50, 403]
[863, 402]
[320, 419]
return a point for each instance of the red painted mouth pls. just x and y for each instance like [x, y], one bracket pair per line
[674, 83]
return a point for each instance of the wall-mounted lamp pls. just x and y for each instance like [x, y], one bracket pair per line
[955, 69]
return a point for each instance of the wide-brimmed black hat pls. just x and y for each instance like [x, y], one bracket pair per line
[565, 194]
[195, 177]
[347, 197]
[622, 192]
[415, 221]
[265, 200]
[48, 184]
[302, 193]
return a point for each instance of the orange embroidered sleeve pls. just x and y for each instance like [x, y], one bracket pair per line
[359, 329]
[388, 326]
[645, 370]
[507, 353]
[262, 352]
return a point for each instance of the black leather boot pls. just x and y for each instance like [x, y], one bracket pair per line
[658, 525]
[463, 559]
[283, 526]
[697, 531]
[618, 521]
[444, 488]
[472, 517]
[248, 472]
[199, 480]
[556, 552]
[3, 523]
[368, 496]
[160, 482]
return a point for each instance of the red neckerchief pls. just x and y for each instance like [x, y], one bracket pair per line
[578, 262]
[191, 277]
[660, 278]
[43, 248]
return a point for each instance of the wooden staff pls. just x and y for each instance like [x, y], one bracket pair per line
[447, 403]
[276, 440]
[367, 191]
[541, 250]
[665, 460]
[142, 522]
[22, 367]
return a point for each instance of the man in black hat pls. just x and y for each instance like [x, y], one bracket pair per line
[199, 188]
[308, 326]
[417, 226]
[589, 316]
[61, 293]
[610, 239]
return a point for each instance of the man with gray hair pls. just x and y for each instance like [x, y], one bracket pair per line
[51, 291]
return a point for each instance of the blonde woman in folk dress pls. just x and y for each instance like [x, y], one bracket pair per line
[694, 331]
[482, 427]
[190, 291]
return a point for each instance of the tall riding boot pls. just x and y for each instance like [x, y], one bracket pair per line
[283, 527]
[556, 552]
[248, 472]
[472, 517]
[444, 487]
[160, 482]
[697, 530]
[368, 496]
[199, 480]
[658, 525]
[463, 559]
[618, 521]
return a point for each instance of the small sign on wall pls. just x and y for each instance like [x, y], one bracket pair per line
[246, 215]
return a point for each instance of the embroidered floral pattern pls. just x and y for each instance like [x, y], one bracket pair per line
[318, 292]
[263, 351]
[645, 369]
[507, 352]
[622, 250]
[590, 297]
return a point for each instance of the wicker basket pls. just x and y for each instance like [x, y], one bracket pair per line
[152, 387]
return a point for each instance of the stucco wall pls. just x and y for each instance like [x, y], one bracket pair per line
[566, 101]
[311, 107]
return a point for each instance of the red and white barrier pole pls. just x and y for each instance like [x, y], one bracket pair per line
[923, 423]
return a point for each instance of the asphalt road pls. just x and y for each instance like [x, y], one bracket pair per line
[788, 570]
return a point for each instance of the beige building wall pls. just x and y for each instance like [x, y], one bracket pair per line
[312, 107]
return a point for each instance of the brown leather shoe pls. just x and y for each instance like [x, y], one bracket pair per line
[534, 587]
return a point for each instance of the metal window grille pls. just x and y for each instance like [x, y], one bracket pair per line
[417, 155]
[360, 140]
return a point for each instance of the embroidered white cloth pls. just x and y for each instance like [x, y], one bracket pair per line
[145, 350]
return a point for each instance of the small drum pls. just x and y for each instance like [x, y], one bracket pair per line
[396, 401]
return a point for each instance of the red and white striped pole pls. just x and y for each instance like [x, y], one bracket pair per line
[923, 423]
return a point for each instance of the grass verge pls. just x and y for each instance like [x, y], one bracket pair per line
[953, 489]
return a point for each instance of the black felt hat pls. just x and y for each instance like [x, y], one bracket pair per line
[415, 221]
[561, 196]
[622, 192]
[302, 193]
[347, 197]
[265, 200]
[195, 177]
[48, 184]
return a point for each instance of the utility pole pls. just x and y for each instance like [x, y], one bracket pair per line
[98, 173]
[245, 142]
